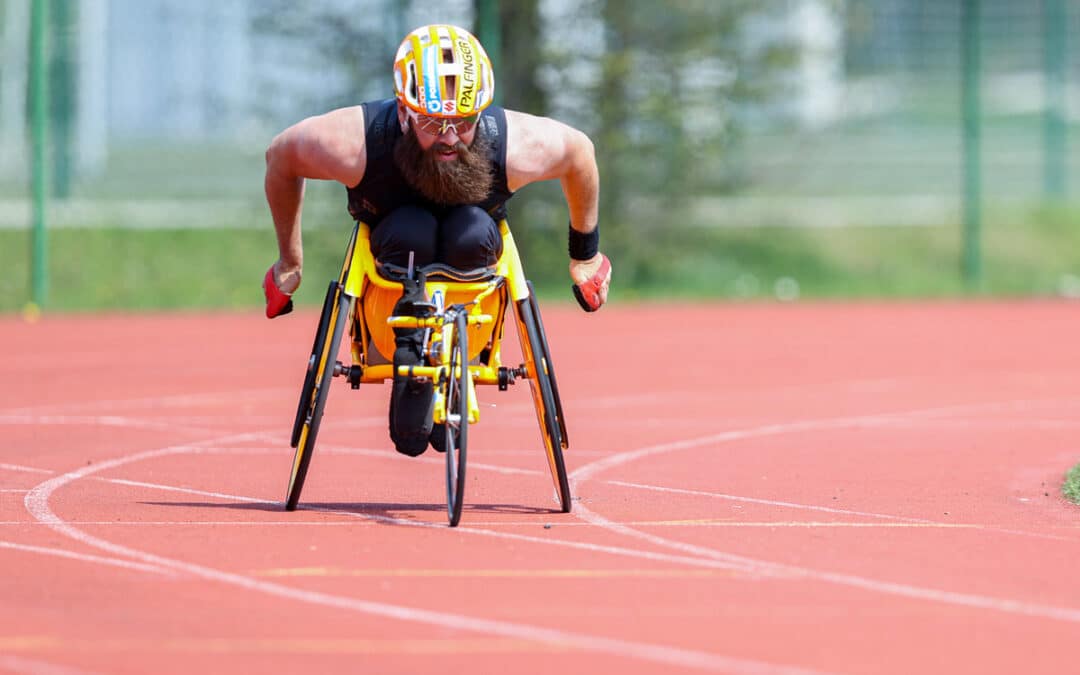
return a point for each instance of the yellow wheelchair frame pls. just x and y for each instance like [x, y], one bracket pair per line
[461, 347]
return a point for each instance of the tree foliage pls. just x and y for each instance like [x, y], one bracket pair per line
[662, 89]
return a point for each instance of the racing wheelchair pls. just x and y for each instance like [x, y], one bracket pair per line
[461, 349]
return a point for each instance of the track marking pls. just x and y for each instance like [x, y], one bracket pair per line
[664, 655]
[37, 504]
[390, 520]
[85, 557]
[26, 469]
[23, 666]
[166, 401]
[767, 502]
[704, 522]
[494, 573]
[98, 420]
[404, 646]
[845, 512]
[711, 522]
[194, 523]
[768, 568]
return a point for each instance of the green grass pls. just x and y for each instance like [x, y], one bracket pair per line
[121, 269]
[657, 253]
[1071, 488]
[1032, 254]
[1024, 254]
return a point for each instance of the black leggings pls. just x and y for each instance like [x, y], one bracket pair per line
[466, 237]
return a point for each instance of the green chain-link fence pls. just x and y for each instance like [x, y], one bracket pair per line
[822, 147]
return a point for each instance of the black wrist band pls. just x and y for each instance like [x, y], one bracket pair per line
[584, 246]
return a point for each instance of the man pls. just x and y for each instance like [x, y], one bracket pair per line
[430, 171]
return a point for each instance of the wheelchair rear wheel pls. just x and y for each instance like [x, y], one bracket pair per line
[550, 366]
[456, 392]
[304, 406]
[545, 396]
[317, 388]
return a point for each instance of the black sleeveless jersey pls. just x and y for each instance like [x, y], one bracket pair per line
[383, 188]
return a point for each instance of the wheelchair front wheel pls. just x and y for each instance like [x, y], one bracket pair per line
[456, 393]
[313, 398]
[548, 409]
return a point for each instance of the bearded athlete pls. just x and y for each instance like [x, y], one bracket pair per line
[430, 172]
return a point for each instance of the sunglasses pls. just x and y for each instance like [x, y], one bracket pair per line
[437, 126]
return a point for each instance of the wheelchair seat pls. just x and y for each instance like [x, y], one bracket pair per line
[436, 272]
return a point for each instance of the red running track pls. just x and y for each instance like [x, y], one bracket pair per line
[835, 488]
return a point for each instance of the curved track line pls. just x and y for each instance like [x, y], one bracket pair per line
[768, 502]
[768, 568]
[152, 402]
[390, 520]
[772, 569]
[37, 504]
[85, 557]
[18, 664]
[25, 469]
[842, 512]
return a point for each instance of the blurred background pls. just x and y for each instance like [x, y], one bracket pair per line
[749, 150]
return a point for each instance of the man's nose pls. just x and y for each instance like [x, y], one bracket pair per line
[449, 136]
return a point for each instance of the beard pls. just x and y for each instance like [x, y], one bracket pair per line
[465, 180]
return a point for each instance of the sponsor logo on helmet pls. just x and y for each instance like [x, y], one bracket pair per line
[467, 90]
[431, 79]
[449, 107]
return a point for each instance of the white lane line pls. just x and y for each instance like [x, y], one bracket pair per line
[825, 509]
[102, 420]
[790, 524]
[390, 520]
[154, 402]
[85, 557]
[192, 523]
[25, 469]
[769, 568]
[201, 493]
[729, 560]
[388, 453]
[24, 666]
[37, 503]
[767, 502]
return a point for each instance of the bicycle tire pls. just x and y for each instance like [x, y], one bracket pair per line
[539, 375]
[304, 404]
[457, 417]
[305, 446]
[550, 365]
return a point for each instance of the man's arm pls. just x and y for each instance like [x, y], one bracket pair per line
[540, 148]
[326, 147]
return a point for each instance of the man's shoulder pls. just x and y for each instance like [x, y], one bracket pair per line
[381, 127]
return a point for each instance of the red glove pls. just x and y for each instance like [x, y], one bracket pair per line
[277, 303]
[588, 293]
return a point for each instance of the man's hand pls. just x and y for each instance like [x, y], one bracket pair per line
[591, 280]
[280, 282]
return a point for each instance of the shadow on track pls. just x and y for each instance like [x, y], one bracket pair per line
[384, 513]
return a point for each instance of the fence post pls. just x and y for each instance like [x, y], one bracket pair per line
[487, 29]
[39, 107]
[971, 58]
[1054, 62]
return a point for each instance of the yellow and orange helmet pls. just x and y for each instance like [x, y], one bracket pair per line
[443, 71]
